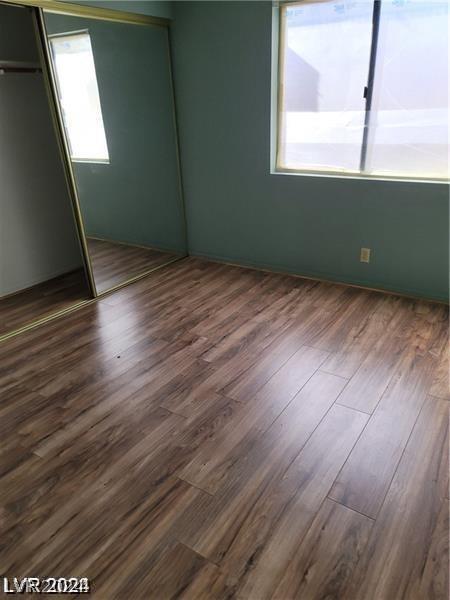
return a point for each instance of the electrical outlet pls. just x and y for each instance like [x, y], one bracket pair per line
[365, 255]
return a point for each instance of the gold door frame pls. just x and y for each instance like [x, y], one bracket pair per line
[55, 109]
[56, 7]
[91, 12]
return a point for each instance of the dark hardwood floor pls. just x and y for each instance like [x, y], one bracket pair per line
[42, 300]
[217, 432]
[114, 263]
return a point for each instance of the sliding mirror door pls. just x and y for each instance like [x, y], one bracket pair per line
[113, 82]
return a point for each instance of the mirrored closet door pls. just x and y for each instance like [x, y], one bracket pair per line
[114, 90]
[41, 262]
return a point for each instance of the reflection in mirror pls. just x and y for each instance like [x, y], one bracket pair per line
[114, 87]
[41, 264]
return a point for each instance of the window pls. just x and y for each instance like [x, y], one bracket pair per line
[79, 96]
[363, 88]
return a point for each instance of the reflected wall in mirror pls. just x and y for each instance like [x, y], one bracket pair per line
[41, 264]
[114, 86]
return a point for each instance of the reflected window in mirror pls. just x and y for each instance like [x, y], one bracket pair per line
[79, 96]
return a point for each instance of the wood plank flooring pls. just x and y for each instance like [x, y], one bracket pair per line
[113, 263]
[214, 432]
[42, 300]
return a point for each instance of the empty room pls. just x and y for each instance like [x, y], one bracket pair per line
[224, 299]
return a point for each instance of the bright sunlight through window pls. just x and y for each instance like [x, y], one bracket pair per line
[79, 96]
[364, 87]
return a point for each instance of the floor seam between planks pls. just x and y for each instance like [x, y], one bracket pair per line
[350, 508]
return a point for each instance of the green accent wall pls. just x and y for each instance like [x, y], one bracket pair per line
[153, 8]
[238, 211]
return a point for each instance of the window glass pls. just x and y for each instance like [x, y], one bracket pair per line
[408, 131]
[333, 118]
[325, 65]
[79, 96]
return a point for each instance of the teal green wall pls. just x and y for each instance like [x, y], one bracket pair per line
[135, 198]
[154, 8]
[237, 211]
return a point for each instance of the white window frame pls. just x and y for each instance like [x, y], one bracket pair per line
[93, 160]
[278, 44]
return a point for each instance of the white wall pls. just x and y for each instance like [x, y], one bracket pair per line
[37, 231]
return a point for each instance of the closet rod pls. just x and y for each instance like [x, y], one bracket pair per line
[19, 70]
[14, 66]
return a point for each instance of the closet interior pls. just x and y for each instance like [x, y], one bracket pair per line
[41, 263]
[91, 192]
